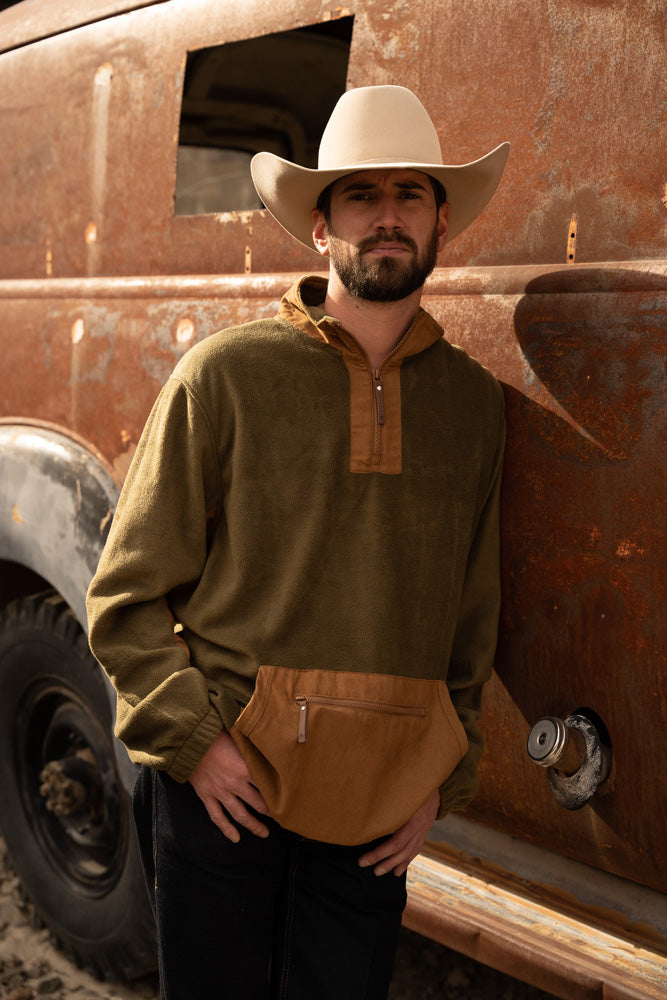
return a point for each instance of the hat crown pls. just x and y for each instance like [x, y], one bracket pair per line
[378, 125]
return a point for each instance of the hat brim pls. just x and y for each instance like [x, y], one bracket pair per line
[290, 191]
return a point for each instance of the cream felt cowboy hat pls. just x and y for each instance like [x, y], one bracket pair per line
[371, 128]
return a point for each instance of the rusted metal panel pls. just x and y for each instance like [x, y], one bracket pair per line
[582, 357]
[33, 20]
[108, 347]
[579, 90]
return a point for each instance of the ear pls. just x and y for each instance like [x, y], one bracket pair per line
[443, 224]
[320, 233]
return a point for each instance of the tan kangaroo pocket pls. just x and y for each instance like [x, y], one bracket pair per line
[344, 757]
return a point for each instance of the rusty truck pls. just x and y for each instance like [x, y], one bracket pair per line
[130, 230]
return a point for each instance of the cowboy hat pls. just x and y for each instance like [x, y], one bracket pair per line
[372, 128]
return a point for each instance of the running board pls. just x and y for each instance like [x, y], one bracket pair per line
[498, 926]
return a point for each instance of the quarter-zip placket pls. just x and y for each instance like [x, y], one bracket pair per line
[378, 392]
[375, 390]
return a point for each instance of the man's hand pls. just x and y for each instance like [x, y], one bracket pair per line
[222, 778]
[397, 851]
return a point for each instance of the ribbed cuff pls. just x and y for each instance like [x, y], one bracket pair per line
[456, 793]
[195, 746]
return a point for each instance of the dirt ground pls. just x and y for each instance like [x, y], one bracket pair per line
[32, 969]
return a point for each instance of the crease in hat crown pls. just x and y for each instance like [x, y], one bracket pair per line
[371, 128]
[390, 125]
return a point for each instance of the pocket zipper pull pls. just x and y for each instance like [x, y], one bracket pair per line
[303, 714]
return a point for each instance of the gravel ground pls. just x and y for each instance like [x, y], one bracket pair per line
[32, 969]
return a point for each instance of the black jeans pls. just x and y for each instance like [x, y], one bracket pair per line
[281, 918]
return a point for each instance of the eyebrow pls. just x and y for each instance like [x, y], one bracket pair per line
[369, 185]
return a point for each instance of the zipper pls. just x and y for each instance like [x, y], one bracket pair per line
[378, 390]
[378, 393]
[303, 701]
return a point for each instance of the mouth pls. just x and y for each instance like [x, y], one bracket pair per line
[387, 250]
[380, 246]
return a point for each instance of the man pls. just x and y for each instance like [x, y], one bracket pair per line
[298, 600]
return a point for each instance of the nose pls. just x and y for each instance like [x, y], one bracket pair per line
[387, 215]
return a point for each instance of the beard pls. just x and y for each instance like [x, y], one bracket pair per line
[383, 279]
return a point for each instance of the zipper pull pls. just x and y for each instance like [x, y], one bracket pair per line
[303, 715]
[379, 396]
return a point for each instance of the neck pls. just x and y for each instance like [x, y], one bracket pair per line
[376, 326]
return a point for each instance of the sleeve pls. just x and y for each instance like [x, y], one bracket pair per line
[476, 635]
[158, 542]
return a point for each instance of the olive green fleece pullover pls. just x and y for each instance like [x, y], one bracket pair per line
[288, 506]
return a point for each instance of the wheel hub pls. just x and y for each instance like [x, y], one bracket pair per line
[69, 787]
[72, 785]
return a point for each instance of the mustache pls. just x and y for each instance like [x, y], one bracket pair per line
[384, 236]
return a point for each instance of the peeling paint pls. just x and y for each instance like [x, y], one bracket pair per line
[332, 15]
[244, 217]
[626, 549]
[100, 141]
[572, 239]
[185, 330]
[78, 331]
[103, 75]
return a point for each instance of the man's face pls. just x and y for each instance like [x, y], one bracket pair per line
[384, 232]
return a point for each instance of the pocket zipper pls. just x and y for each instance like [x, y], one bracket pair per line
[367, 706]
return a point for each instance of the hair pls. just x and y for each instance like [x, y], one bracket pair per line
[438, 191]
[324, 199]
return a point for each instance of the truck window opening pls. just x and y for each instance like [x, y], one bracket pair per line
[242, 97]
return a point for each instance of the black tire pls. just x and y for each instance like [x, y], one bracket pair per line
[80, 864]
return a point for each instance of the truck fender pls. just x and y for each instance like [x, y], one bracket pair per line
[57, 500]
[56, 504]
